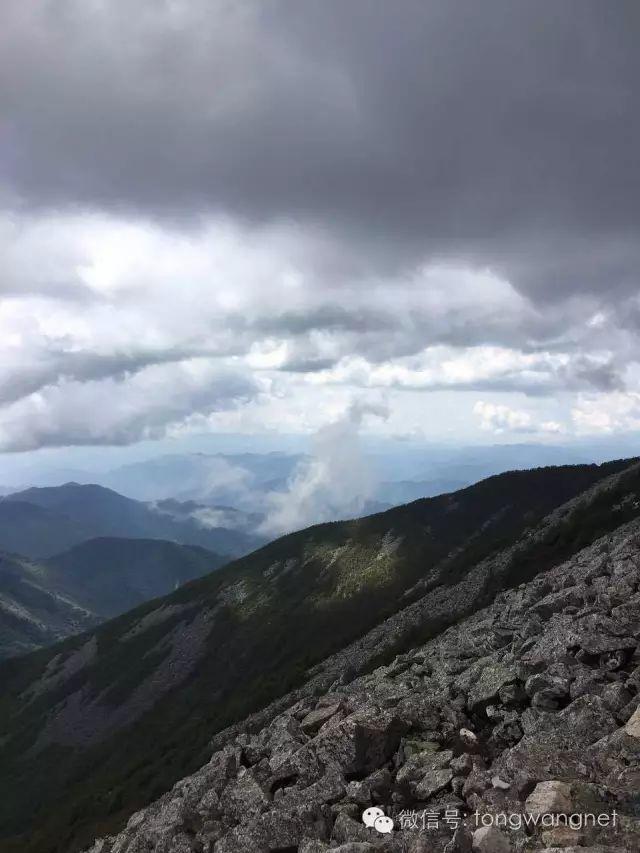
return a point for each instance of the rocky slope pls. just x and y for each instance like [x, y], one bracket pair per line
[97, 727]
[485, 738]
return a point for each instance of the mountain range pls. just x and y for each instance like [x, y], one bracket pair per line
[41, 522]
[230, 478]
[400, 472]
[101, 724]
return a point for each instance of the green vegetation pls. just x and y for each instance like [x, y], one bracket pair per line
[44, 602]
[268, 617]
[110, 575]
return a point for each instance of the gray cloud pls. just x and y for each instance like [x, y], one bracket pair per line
[333, 192]
[118, 411]
[55, 367]
[498, 133]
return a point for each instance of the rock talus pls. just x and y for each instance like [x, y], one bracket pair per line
[517, 729]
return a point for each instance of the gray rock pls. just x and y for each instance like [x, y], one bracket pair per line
[599, 644]
[462, 765]
[553, 685]
[271, 831]
[550, 798]
[432, 783]
[243, 796]
[492, 678]
[517, 713]
[632, 727]
[597, 848]
[421, 764]
[362, 742]
[315, 719]
[477, 782]
[461, 842]
[346, 829]
[490, 839]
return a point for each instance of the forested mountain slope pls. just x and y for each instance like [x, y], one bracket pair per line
[101, 724]
[518, 729]
[32, 612]
[44, 601]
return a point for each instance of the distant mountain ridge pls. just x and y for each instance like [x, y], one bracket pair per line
[46, 601]
[33, 530]
[132, 705]
[208, 478]
[111, 575]
[40, 522]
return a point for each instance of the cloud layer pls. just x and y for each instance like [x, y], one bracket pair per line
[213, 213]
[336, 481]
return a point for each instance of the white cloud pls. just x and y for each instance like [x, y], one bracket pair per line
[94, 305]
[552, 427]
[335, 482]
[499, 419]
[442, 366]
[149, 404]
[618, 412]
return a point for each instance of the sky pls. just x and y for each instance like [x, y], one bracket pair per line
[228, 217]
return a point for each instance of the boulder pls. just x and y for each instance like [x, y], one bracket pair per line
[492, 678]
[562, 836]
[316, 718]
[598, 644]
[462, 765]
[243, 796]
[586, 720]
[361, 743]
[490, 839]
[549, 798]
[461, 842]
[433, 782]
[598, 848]
[421, 764]
[553, 685]
[477, 782]
[346, 829]
[632, 727]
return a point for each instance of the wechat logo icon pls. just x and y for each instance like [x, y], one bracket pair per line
[375, 818]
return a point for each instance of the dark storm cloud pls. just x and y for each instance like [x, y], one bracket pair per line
[501, 133]
[213, 204]
[328, 318]
[601, 377]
